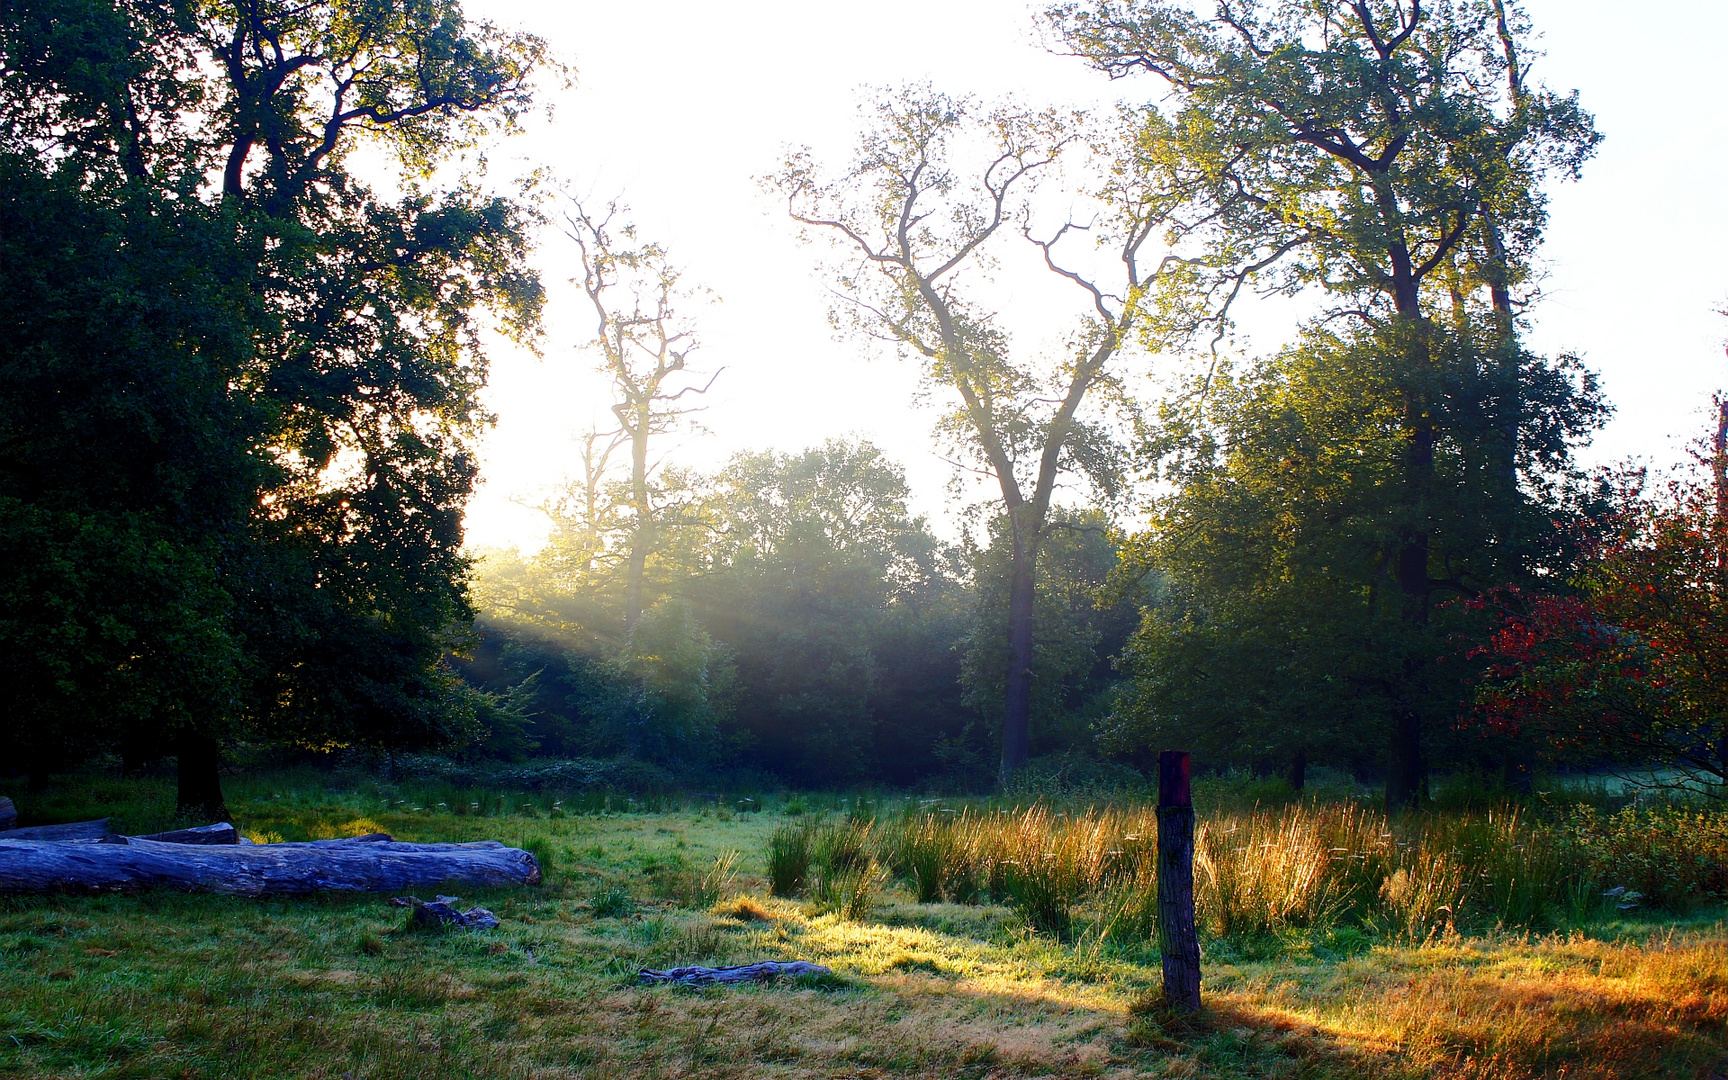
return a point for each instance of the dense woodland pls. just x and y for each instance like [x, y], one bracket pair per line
[238, 413]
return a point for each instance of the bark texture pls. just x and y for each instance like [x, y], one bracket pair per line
[706, 976]
[35, 866]
[1176, 937]
[76, 830]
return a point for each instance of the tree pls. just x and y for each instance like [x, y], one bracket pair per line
[345, 371]
[1630, 664]
[814, 571]
[1391, 156]
[644, 346]
[934, 184]
[1081, 623]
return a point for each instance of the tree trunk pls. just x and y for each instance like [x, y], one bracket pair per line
[1408, 777]
[28, 866]
[200, 779]
[1299, 769]
[1405, 780]
[642, 535]
[1719, 466]
[1017, 688]
[1176, 936]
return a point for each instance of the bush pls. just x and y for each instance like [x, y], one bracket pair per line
[1674, 856]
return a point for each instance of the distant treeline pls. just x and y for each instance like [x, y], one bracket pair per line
[798, 624]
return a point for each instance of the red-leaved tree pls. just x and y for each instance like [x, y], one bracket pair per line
[1634, 663]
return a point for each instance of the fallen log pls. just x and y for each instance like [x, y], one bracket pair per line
[220, 833]
[8, 814]
[357, 865]
[76, 830]
[707, 976]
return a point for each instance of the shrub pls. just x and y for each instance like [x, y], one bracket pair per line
[1674, 856]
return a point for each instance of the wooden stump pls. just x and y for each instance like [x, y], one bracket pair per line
[1176, 936]
[8, 814]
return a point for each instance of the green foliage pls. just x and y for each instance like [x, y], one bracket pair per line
[766, 634]
[1674, 856]
[1326, 502]
[242, 386]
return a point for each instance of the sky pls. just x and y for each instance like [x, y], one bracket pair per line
[680, 107]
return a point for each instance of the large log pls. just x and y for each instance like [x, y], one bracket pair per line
[30, 866]
[76, 830]
[8, 814]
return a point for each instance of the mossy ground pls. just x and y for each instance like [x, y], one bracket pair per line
[164, 985]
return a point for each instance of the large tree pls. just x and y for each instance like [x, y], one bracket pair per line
[645, 345]
[918, 217]
[1391, 154]
[338, 382]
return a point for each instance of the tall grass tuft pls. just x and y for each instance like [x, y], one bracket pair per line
[934, 853]
[1303, 866]
[844, 874]
[789, 859]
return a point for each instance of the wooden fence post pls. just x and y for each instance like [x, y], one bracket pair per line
[1176, 937]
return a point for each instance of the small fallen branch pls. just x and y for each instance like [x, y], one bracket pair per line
[441, 911]
[707, 976]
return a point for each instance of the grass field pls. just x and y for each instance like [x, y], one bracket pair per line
[165, 985]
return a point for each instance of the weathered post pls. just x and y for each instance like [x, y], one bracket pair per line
[1176, 937]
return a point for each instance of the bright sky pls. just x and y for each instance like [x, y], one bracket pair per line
[680, 105]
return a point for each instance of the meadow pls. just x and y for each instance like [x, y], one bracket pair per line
[967, 938]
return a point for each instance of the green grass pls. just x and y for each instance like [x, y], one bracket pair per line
[164, 985]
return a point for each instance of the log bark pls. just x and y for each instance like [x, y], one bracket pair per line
[1176, 936]
[8, 814]
[31, 866]
[220, 833]
[707, 976]
[76, 830]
